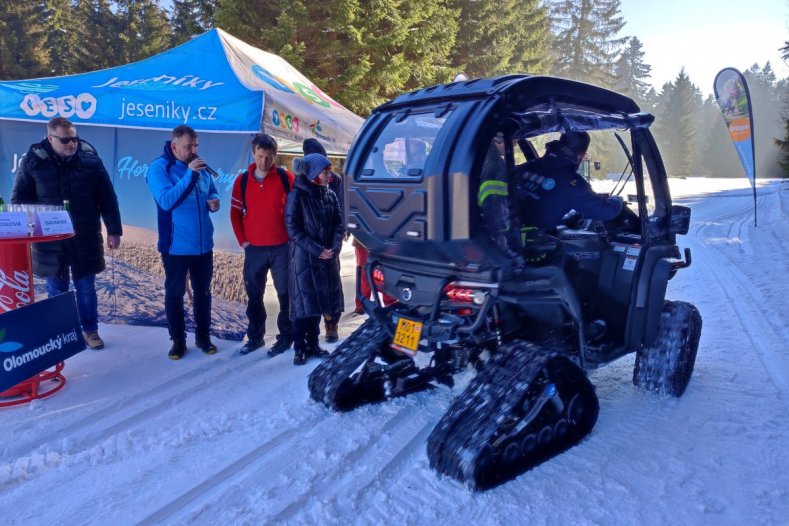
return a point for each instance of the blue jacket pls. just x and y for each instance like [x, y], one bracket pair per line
[181, 196]
[549, 187]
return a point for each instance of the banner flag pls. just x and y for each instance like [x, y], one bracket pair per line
[734, 101]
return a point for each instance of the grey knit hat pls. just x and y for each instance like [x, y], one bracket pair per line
[313, 164]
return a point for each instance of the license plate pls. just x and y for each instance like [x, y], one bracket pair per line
[407, 335]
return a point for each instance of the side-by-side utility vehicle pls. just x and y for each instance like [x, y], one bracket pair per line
[521, 340]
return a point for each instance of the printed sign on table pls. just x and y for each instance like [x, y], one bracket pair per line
[13, 224]
[53, 222]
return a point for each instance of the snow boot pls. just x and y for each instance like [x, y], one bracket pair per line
[300, 358]
[331, 333]
[204, 344]
[317, 352]
[93, 340]
[251, 345]
[178, 349]
[280, 346]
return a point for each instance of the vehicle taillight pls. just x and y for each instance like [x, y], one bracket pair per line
[465, 294]
[378, 277]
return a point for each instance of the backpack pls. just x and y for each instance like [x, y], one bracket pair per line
[244, 176]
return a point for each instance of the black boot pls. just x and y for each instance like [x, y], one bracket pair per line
[300, 358]
[204, 344]
[280, 346]
[251, 345]
[178, 349]
[317, 352]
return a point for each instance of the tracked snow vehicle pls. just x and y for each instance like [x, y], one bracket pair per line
[592, 292]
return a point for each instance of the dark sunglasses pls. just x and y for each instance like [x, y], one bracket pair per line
[66, 140]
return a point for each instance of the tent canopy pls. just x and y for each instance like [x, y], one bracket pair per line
[214, 82]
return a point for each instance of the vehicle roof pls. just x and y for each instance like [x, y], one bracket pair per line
[525, 90]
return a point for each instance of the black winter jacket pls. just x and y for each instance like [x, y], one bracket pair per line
[549, 187]
[313, 221]
[46, 178]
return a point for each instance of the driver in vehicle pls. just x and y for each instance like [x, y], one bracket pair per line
[550, 186]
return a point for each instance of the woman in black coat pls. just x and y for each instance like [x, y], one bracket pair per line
[314, 224]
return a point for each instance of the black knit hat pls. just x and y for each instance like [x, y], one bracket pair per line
[313, 146]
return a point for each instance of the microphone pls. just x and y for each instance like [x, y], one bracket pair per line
[207, 168]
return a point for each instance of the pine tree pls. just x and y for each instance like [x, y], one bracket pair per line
[631, 71]
[677, 115]
[248, 20]
[61, 41]
[99, 47]
[585, 45]
[297, 31]
[23, 53]
[142, 28]
[783, 144]
[715, 154]
[766, 94]
[362, 52]
[190, 18]
[501, 36]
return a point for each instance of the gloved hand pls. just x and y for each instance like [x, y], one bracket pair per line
[572, 219]
[518, 265]
[629, 217]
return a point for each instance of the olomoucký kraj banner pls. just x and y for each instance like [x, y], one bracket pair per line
[37, 337]
[734, 101]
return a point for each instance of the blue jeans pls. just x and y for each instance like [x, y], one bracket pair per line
[87, 303]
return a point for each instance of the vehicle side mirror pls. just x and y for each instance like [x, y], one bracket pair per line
[679, 221]
[597, 166]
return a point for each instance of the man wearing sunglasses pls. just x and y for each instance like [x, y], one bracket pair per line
[62, 168]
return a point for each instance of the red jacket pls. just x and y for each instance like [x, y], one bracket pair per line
[264, 222]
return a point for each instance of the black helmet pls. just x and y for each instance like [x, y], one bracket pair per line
[576, 141]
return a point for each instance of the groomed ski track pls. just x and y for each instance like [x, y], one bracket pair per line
[137, 439]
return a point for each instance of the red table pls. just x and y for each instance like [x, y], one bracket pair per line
[16, 291]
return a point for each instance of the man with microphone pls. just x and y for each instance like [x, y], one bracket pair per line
[184, 192]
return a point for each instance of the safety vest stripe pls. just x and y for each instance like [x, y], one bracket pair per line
[489, 188]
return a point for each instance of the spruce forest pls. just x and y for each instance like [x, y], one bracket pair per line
[364, 52]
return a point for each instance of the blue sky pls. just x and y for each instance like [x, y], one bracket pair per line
[705, 36]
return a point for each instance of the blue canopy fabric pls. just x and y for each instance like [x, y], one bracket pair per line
[214, 82]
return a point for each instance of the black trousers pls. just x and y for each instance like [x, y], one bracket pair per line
[258, 261]
[305, 333]
[201, 270]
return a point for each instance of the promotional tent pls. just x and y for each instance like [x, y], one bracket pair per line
[222, 87]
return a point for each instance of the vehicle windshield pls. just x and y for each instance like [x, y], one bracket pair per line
[403, 147]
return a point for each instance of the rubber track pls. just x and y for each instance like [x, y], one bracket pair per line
[492, 399]
[328, 377]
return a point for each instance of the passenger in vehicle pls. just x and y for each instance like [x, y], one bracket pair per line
[494, 203]
[415, 156]
[550, 186]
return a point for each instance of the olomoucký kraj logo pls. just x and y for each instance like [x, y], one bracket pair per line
[8, 346]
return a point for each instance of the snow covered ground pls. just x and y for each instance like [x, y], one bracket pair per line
[137, 438]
